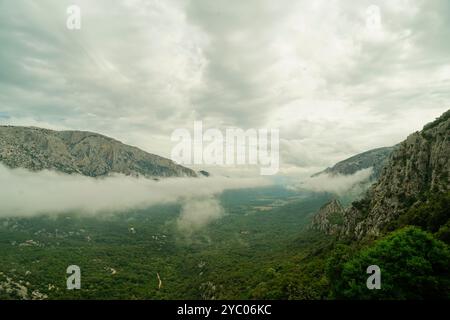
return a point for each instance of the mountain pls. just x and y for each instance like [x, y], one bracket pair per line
[375, 159]
[416, 176]
[81, 152]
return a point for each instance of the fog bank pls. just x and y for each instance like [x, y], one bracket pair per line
[337, 184]
[24, 193]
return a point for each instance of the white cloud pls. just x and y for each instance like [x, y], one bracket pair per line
[337, 184]
[196, 213]
[139, 69]
[28, 193]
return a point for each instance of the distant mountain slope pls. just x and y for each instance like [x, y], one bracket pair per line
[417, 172]
[80, 152]
[375, 159]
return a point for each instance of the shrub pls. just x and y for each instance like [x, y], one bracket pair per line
[414, 265]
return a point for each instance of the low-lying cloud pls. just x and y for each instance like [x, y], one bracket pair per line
[24, 194]
[337, 184]
[197, 213]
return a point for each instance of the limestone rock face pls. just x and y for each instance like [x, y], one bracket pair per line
[330, 217]
[80, 152]
[418, 166]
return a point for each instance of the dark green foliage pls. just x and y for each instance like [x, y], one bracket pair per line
[334, 267]
[362, 205]
[444, 233]
[414, 265]
[302, 281]
[336, 218]
[431, 214]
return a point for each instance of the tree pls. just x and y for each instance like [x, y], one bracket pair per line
[414, 265]
[431, 215]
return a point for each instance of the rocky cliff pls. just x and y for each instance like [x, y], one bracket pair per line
[80, 152]
[329, 218]
[418, 167]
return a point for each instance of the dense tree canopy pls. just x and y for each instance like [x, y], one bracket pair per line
[414, 265]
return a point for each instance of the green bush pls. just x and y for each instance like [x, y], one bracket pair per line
[414, 265]
[430, 215]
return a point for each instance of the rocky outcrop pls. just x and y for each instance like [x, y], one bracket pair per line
[417, 167]
[80, 152]
[329, 218]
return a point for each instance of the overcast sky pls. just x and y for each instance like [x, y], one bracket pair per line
[336, 77]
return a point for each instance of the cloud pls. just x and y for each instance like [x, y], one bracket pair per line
[92, 79]
[138, 69]
[337, 184]
[26, 193]
[198, 212]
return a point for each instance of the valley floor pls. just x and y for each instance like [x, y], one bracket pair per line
[254, 251]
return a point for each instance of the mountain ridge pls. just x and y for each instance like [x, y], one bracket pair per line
[374, 158]
[80, 152]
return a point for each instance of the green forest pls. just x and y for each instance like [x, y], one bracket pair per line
[262, 248]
